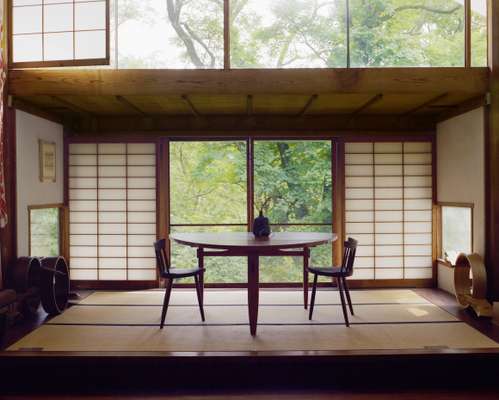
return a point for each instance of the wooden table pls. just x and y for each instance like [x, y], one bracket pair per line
[244, 244]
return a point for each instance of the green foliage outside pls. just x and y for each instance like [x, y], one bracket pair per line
[44, 232]
[298, 33]
[292, 186]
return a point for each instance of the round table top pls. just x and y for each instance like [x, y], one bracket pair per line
[245, 240]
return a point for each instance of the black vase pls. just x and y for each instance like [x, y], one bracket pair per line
[261, 226]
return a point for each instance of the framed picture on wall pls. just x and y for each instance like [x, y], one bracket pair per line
[47, 161]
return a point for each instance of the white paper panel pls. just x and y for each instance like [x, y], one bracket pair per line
[140, 171]
[58, 46]
[82, 159]
[388, 216]
[136, 229]
[83, 251]
[27, 48]
[142, 263]
[83, 275]
[423, 273]
[112, 159]
[79, 229]
[359, 170]
[388, 158]
[364, 239]
[112, 148]
[417, 181]
[112, 240]
[81, 171]
[388, 147]
[415, 250]
[417, 170]
[389, 227]
[421, 158]
[383, 181]
[141, 217]
[112, 183]
[417, 147]
[82, 183]
[141, 159]
[364, 262]
[389, 205]
[139, 275]
[365, 251]
[90, 16]
[415, 216]
[141, 148]
[359, 159]
[27, 19]
[141, 183]
[364, 193]
[142, 205]
[389, 262]
[363, 274]
[418, 238]
[389, 170]
[141, 194]
[83, 240]
[418, 227]
[58, 18]
[389, 274]
[352, 205]
[112, 217]
[389, 251]
[141, 240]
[389, 238]
[415, 262]
[418, 193]
[112, 229]
[112, 171]
[83, 194]
[418, 204]
[31, 2]
[356, 182]
[114, 251]
[388, 193]
[83, 148]
[78, 217]
[361, 147]
[362, 227]
[141, 252]
[86, 263]
[112, 275]
[90, 44]
[112, 205]
[83, 205]
[359, 216]
[116, 263]
[112, 194]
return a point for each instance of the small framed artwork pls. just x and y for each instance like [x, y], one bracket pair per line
[47, 161]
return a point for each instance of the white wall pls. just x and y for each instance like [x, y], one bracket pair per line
[461, 168]
[30, 191]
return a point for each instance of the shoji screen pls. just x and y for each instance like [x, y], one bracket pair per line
[388, 192]
[112, 201]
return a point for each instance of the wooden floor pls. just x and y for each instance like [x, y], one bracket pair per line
[434, 373]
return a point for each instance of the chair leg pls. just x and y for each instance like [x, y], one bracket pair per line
[312, 300]
[166, 301]
[200, 296]
[342, 297]
[347, 292]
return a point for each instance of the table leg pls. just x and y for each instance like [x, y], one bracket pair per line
[201, 275]
[306, 256]
[253, 272]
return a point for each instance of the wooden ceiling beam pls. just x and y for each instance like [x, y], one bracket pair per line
[129, 105]
[31, 108]
[73, 107]
[191, 106]
[426, 104]
[308, 104]
[249, 105]
[464, 107]
[95, 82]
[368, 104]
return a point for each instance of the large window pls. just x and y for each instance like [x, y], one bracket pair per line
[44, 231]
[457, 230]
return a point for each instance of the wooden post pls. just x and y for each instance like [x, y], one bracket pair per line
[492, 156]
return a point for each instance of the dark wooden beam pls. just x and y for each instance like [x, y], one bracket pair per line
[249, 105]
[426, 104]
[461, 108]
[73, 107]
[189, 104]
[123, 100]
[307, 105]
[368, 104]
[492, 157]
[80, 82]
[236, 124]
[34, 109]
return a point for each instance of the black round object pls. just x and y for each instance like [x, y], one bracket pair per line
[54, 284]
[25, 274]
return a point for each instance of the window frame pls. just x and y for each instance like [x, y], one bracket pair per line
[56, 63]
[440, 232]
[63, 227]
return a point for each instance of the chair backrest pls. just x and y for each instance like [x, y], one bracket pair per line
[349, 249]
[159, 249]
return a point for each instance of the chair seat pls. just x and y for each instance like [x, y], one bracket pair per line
[181, 273]
[328, 271]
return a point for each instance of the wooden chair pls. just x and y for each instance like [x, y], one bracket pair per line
[340, 274]
[168, 273]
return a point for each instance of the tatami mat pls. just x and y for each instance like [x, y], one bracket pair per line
[128, 321]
